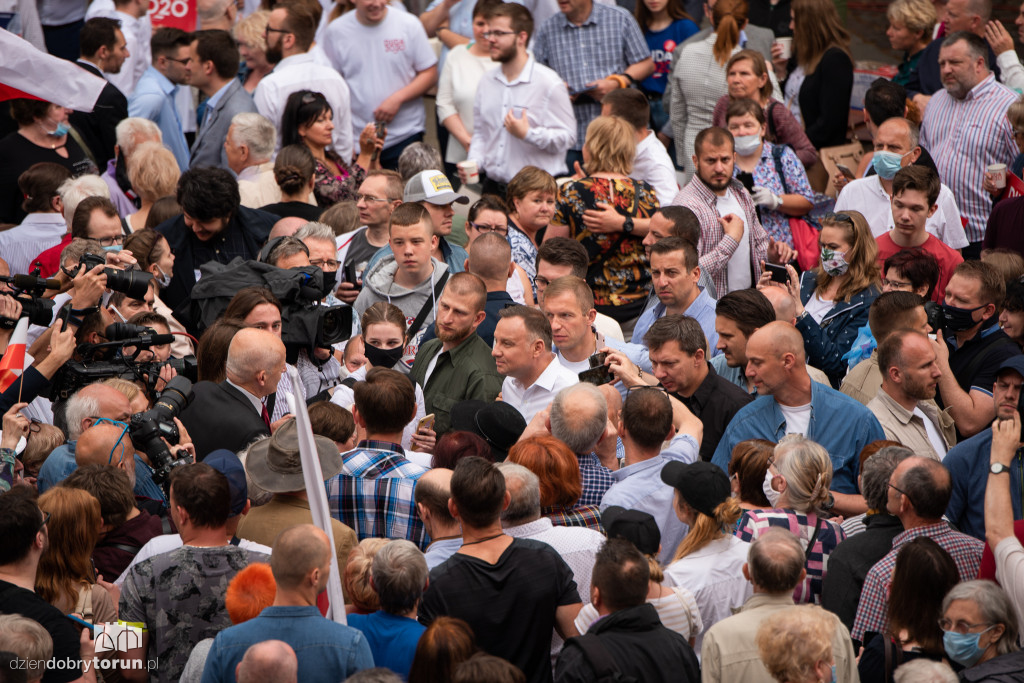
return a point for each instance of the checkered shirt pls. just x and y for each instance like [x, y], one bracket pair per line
[588, 516]
[608, 41]
[596, 479]
[374, 493]
[874, 598]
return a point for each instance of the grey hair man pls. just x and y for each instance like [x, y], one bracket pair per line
[775, 566]
[74, 190]
[129, 133]
[579, 419]
[868, 536]
[29, 642]
[249, 146]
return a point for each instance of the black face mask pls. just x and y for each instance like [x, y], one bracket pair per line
[958, 319]
[383, 358]
[330, 280]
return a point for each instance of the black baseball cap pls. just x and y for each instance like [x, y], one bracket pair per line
[702, 485]
[636, 526]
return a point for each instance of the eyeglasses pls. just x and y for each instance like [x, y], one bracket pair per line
[269, 30]
[771, 460]
[496, 34]
[541, 281]
[484, 227]
[896, 284]
[646, 386]
[34, 426]
[840, 216]
[902, 493]
[120, 439]
[46, 518]
[183, 62]
[331, 264]
[370, 198]
[109, 241]
[961, 627]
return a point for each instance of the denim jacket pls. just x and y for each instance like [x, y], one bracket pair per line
[840, 424]
[825, 344]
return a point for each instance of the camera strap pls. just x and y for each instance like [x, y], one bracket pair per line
[428, 306]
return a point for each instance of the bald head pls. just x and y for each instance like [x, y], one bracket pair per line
[489, 259]
[106, 444]
[253, 354]
[439, 478]
[299, 550]
[776, 561]
[286, 227]
[579, 415]
[432, 492]
[780, 337]
[782, 302]
[271, 661]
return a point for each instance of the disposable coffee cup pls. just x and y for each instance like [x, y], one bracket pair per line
[470, 171]
[787, 47]
[998, 174]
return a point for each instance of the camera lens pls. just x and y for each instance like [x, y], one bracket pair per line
[133, 283]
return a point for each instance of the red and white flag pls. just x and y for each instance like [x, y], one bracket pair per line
[13, 362]
[28, 72]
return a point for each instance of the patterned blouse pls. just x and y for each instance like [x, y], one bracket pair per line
[329, 189]
[776, 223]
[618, 264]
[524, 253]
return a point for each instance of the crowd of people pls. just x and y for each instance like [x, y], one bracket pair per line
[615, 382]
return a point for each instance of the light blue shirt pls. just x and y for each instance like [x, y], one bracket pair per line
[736, 375]
[59, 465]
[153, 99]
[460, 20]
[439, 551]
[702, 310]
[639, 487]
[839, 423]
[211, 103]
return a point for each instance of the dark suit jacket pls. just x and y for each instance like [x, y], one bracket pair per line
[221, 416]
[208, 148]
[97, 127]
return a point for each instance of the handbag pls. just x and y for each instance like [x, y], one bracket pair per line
[805, 234]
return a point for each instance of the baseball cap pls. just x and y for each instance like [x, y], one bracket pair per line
[228, 464]
[497, 423]
[433, 187]
[1013, 363]
[702, 485]
[636, 526]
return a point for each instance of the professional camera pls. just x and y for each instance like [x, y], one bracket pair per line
[134, 283]
[28, 290]
[74, 375]
[149, 430]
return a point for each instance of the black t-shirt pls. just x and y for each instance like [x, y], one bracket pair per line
[509, 604]
[309, 212]
[66, 653]
[17, 154]
[360, 251]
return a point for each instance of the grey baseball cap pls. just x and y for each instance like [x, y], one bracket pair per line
[433, 187]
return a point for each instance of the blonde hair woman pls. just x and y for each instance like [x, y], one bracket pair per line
[154, 174]
[910, 30]
[795, 645]
[832, 301]
[252, 46]
[618, 264]
[797, 485]
[710, 559]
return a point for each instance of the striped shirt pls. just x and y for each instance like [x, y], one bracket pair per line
[374, 493]
[37, 233]
[874, 598]
[964, 137]
[606, 43]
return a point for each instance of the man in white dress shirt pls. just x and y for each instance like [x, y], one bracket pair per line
[44, 226]
[522, 115]
[872, 195]
[289, 35]
[522, 353]
[385, 54]
[652, 163]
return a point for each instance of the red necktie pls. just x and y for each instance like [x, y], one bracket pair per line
[265, 415]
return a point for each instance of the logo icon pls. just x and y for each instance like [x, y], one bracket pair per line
[118, 636]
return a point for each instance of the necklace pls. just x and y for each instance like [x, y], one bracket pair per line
[482, 540]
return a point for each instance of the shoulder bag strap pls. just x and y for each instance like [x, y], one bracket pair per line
[428, 306]
[84, 606]
[777, 157]
[814, 537]
[770, 120]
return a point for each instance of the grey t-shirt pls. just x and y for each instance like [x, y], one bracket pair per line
[360, 251]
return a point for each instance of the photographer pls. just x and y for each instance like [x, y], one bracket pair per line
[36, 378]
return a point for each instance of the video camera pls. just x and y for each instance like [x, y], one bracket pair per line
[149, 430]
[28, 290]
[74, 375]
[133, 283]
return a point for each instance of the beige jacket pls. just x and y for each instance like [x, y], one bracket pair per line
[900, 424]
[729, 654]
[863, 380]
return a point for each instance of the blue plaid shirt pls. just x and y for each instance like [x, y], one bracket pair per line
[596, 479]
[608, 41]
[374, 493]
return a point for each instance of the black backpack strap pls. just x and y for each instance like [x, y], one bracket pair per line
[597, 656]
[350, 382]
[777, 157]
[770, 120]
[428, 306]
[130, 549]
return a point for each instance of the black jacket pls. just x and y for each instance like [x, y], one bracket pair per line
[1008, 668]
[221, 416]
[97, 127]
[640, 646]
[825, 98]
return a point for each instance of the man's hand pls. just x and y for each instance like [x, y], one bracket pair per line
[1005, 440]
[517, 127]
[921, 100]
[15, 426]
[167, 373]
[578, 172]
[998, 37]
[839, 180]
[184, 438]
[780, 252]
[538, 425]
[387, 109]
[598, 89]
[424, 440]
[988, 183]
[604, 219]
[941, 351]
[623, 369]
[732, 225]
[347, 292]
[275, 425]
[88, 288]
[10, 308]
[121, 259]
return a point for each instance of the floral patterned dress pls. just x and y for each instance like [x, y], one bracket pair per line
[618, 271]
[766, 174]
[329, 189]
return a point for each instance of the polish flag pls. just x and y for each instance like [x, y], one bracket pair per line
[28, 72]
[13, 362]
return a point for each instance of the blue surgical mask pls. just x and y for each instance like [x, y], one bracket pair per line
[113, 248]
[963, 648]
[887, 164]
[833, 674]
[164, 280]
[61, 130]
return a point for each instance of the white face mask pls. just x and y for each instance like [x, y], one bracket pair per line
[769, 492]
[164, 279]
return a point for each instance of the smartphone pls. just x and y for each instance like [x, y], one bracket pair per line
[426, 422]
[63, 316]
[779, 273]
[350, 275]
[382, 132]
[845, 170]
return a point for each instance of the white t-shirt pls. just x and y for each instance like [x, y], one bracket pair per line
[377, 61]
[576, 367]
[817, 307]
[934, 437]
[738, 268]
[798, 418]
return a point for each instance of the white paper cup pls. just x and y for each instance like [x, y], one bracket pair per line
[787, 47]
[998, 173]
[470, 171]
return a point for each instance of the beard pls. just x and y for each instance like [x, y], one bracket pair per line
[506, 55]
[920, 391]
[273, 53]
[456, 335]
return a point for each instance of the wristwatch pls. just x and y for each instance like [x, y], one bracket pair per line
[627, 225]
[999, 468]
